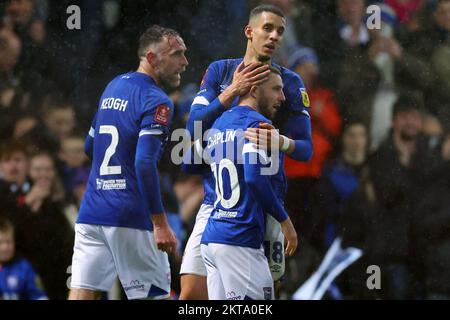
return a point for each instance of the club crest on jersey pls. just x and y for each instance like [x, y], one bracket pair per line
[162, 114]
[305, 97]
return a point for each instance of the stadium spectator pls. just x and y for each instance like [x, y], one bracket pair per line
[348, 208]
[405, 9]
[423, 41]
[22, 18]
[341, 178]
[430, 225]
[358, 225]
[297, 30]
[57, 122]
[352, 31]
[397, 68]
[23, 124]
[312, 231]
[214, 14]
[20, 15]
[42, 173]
[325, 115]
[433, 129]
[10, 49]
[342, 34]
[33, 208]
[72, 160]
[46, 232]
[349, 64]
[326, 127]
[440, 35]
[14, 184]
[399, 170]
[26, 84]
[7, 115]
[430, 45]
[11, 82]
[59, 117]
[18, 280]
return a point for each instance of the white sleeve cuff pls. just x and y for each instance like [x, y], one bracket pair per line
[154, 132]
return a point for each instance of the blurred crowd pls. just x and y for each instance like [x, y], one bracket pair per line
[380, 110]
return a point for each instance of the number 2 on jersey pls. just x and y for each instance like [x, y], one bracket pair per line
[105, 169]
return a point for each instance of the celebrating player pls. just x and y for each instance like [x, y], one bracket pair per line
[232, 241]
[222, 84]
[122, 229]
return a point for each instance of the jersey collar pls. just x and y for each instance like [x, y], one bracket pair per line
[145, 77]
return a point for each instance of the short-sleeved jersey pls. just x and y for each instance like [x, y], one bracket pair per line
[132, 105]
[18, 281]
[238, 218]
[218, 77]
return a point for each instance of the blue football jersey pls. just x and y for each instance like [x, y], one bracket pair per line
[132, 105]
[18, 281]
[237, 219]
[218, 77]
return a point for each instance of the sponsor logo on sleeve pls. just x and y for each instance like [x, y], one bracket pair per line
[305, 97]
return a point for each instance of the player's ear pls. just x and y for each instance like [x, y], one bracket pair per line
[151, 58]
[254, 90]
[248, 31]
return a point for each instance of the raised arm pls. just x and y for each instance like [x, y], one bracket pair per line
[210, 103]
